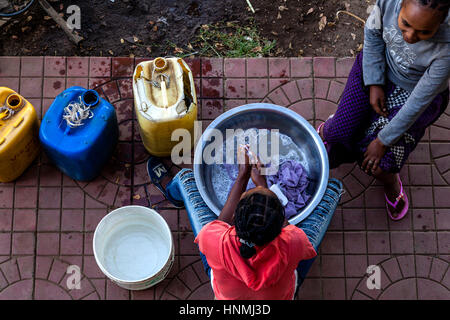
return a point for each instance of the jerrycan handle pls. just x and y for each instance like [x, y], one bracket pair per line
[76, 112]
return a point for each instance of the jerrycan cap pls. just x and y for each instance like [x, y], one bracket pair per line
[14, 101]
[160, 64]
[12, 104]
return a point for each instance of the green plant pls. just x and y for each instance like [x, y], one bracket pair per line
[227, 40]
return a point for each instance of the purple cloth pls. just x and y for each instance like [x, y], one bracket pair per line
[345, 133]
[292, 179]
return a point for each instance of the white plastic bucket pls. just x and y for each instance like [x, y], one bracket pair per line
[133, 247]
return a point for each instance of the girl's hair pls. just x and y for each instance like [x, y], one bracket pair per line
[441, 5]
[258, 220]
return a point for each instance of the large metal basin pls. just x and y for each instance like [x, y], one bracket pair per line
[267, 116]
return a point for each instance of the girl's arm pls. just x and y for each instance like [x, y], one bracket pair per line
[374, 55]
[239, 187]
[434, 81]
[374, 58]
[227, 213]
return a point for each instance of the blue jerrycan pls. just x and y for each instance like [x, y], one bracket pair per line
[79, 133]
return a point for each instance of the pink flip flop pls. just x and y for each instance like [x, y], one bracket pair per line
[321, 125]
[401, 196]
[318, 131]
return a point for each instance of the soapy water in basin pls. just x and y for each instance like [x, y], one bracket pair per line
[135, 252]
[288, 150]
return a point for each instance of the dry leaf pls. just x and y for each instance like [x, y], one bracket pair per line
[353, 36]
[279, 15]
[136, 39]
[136, 197]
[282, 8]
[122, 41]
[322, 23]
[111, 52]
[257, 49]
[155, 28]
[274, 33]
[310, 11]
[149, 50]
[360, 47]
[177, 50]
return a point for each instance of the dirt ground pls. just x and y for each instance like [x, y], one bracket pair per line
[156, 27]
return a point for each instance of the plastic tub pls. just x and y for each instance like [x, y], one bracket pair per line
[133, 247]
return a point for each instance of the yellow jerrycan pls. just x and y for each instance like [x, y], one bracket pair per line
[19, 134]
[164, 100]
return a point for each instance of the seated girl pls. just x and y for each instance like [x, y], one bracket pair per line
[251, 251]
[397, 88]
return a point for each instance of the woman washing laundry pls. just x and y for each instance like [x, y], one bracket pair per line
[250, 251]
[397, 88]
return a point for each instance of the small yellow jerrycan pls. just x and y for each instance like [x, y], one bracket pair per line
[19, 134]
[165, 100]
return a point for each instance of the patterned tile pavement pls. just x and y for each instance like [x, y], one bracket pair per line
[47, 219]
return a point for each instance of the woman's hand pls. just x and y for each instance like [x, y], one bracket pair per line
[372, 157]
[378, 100]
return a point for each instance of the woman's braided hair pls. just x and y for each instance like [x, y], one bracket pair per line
[258, 220]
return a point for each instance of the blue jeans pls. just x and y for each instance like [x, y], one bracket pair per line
[183, 188]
